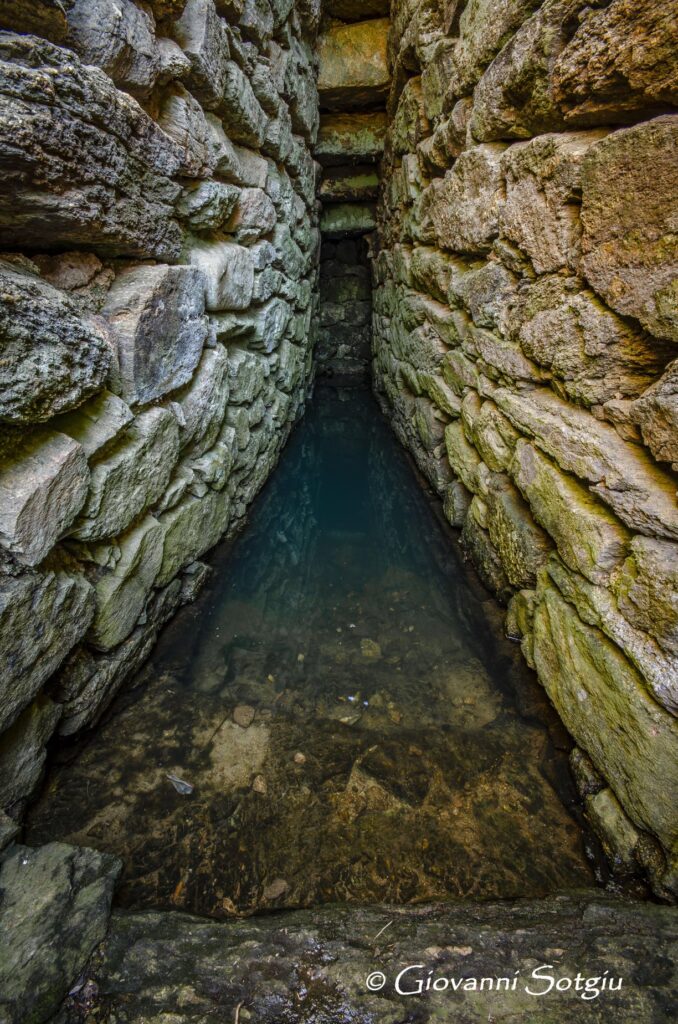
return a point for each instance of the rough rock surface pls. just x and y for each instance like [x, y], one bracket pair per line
[524, 337]
[54, 907]
[313, 965]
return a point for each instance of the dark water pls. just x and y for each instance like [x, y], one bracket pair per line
[391, 745]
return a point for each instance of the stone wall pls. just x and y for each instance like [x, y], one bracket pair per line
[526, 321]
[158, 283]
[344, 349]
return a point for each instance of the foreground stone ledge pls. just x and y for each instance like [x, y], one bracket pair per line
[310, 966]
[353, 65]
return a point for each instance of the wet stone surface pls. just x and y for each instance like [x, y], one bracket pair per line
[343, 715]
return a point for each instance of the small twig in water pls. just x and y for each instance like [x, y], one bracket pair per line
[382, 931]
[236, 1019]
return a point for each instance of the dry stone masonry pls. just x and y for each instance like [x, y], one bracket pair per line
[525, 330]
[158, 285]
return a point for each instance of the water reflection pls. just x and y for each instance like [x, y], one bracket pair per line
[342, 702]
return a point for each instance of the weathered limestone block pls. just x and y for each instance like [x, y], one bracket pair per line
[207, 206]
[656, 413]
[254, 215]
[22, 750]
[133, 476]
[463, 457]
[157, 314]
[605, 706]
[46, 18]
[630, 223]
[343, 138]
[88, 680]
[622, 474]
[499, 357]
[182, 118]
[646, 590]
[522, 546]
[82, 274]
[410, 124]
[593, 354]
[300, 90]
[108, 164]
[202, 35]
[619, 837]
[354, 65]
[247, 373]
[349, 184]
[202, 403]
[589, 538]
[43, 485]
[494, 437]
[229, 273]
[123, 574]
[543, 185]
[41, 618]
[256, 20]
[485, 26]
[465, 204]
[475, 541]
[348, 220]
[620, 62]
[486, 293]
[51, 356]
[514, 98]
[96, 423]
[117, 37]
[191, 528]
[240, 111]
[268, 325]
[55, 911]
[597, 607]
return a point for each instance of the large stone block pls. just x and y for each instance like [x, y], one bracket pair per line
[597, 606]
[464, 206]
[203, 402]
[117, 37]
[41, 618]
[593, 354]
[647, 590]
[103, 165]
[485, 26]
[620, 62]
[348, 220]
[354, 65]
[96, 423]
[55, 910]
[656, 413]
[158, 318]
[133, 476]
[122, 574]
[51, 356]
[240, 111]
[630, 221]
[182, 118]
[622, 474]
[23, 752]
[46, 18]
[514, 99]
[344, 138]
[191, 529]
[605, 706]
[521, 544]
[543, 185]
[43, 485]
[202, 35]
[589, 538]
[206, 206]
[254, 215]
[229, 272]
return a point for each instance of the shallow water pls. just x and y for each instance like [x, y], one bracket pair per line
[388, 744]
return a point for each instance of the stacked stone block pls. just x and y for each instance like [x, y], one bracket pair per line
[158, 284]
[525, 335]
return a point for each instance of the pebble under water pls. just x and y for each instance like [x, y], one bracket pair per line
[342, 701]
